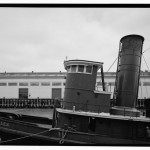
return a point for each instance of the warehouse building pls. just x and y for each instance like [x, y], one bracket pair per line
[51, 85]
[31, 85]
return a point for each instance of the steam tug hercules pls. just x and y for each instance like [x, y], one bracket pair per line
[87, 116]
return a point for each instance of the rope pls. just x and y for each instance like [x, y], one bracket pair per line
[63, 136]
[24, 137]
[64, 133]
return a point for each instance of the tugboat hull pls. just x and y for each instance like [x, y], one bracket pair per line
[13, 132]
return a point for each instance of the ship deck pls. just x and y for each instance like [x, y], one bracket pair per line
[43, 113]
[40, 117]
[104, 115]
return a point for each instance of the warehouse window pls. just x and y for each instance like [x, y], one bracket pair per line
[3, 84]
[12, 84]
[146, 83]
[56, 83]
[45, 84]
[34, 83]
[23, 84]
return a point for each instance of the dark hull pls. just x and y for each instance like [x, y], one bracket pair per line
[14, 132]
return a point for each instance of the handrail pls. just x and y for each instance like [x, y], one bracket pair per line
[26, 103]
[91, 108]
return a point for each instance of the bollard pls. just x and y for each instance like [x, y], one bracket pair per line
[9, 103]
[18, 103]
[25, 104]
[48, 103]
[39, 103]
[36, 103]
[6, 103]
[0, 103]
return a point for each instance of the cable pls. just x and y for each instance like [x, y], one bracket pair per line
[145, 62]
[112, 64]
[25, 136]
[144, 80]
[146, 50]
[117, 57]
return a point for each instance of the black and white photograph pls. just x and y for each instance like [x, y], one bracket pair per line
[74, 74]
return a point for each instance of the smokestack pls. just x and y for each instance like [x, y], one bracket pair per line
[128, 71]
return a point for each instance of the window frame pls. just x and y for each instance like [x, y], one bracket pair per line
[23, 84]
[45, 83]
[75, 68]
[56, 84]
[12, 84]
[3, 84]
[83, 69]
[91, 69]
[34, 84]
[69, 69]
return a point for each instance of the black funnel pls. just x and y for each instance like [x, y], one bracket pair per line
[128, 71]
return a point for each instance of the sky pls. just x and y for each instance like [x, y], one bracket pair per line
[40, 39]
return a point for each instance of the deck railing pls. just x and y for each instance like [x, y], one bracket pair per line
[106, 110]
[26, 103]
[49, 103]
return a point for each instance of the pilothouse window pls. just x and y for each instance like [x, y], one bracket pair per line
[69, 68]
[80, 68]
[73, 68]
[89, 69]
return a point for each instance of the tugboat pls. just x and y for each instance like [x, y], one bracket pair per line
[86, 116]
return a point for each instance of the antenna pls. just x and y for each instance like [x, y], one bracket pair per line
[66, 58]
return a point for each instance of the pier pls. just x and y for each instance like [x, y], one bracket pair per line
[41, 117]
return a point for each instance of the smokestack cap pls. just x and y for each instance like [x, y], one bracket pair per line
[132, 35]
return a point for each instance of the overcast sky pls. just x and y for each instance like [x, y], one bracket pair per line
[39, 39]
